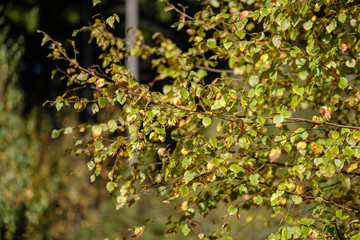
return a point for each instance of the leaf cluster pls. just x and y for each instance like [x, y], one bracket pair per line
[278, 80]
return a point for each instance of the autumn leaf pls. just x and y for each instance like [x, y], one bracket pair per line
[138, 231]
[243, 14]
[242, 125]
[243, 74]
[301, 146]
[162, 152]
[275, 154]
[358, 95]
[352, 167]
[343, 47]
[316, 119]
[325, 112]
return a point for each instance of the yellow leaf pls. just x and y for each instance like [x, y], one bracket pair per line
[274, 154]
[100, 83]
[317, 119]
[301, 146]
[352, 167]
[209, 166]
[96, 130]
[244, 14]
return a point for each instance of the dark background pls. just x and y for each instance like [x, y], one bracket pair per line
[45, 192]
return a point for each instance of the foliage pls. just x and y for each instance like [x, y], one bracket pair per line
[19, 147]
[42, 192]
[278, 80]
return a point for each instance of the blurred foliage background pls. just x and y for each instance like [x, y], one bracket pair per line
[45, 193]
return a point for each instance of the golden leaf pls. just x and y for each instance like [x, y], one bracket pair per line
[301, 146]
[274, 154]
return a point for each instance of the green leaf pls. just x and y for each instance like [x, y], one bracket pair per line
[260, 89]
[98, 146]
[149, 114]
[303, 75]
[243, 45]
[334, 134]
[213, 142]
[220, 126]
[55, 133]
[110, 186]
[96, 130]
[236, 168]
[160, 130]
[110, 21]
[228, 45]
[265, 11]
[343, 83]
[278, 119]
[184, 94]
[348, 151]
[78, 142]
[299, 62]
[188, 176]
[121, 201]
[285, 113]
[312, 49]
[356, 237]
[306, 221]
[342, 17]
[260, 120]
[255, 179]
[96, 2]
[276, 40]
[185, 229]
[112, 125]
[90, 165]
[227, 237]
[253, 80]
[82, 76]
[102, 102]
[260, 36]
[206, 121]
[304, 8]
[259, 200]
[308, 25]
[186, 161]
[285, 24]
[133, 82]
[350, 63]
[94, 108]
[211, 43]
[298, 90]
[332, 26]
[68, 130]
[184, 191]
[224, 15]
[215, 3]
[45, 39]
[59, 105]
[232, 210]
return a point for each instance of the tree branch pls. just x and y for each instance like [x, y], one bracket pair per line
[297, 119]
[353, 210]
[209, 69]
